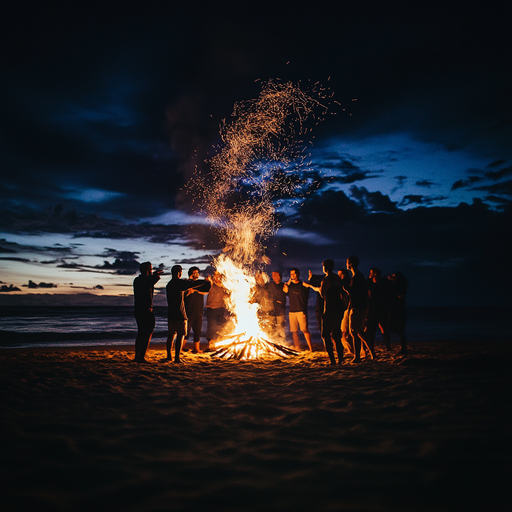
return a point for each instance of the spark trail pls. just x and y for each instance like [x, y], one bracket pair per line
[258, 162]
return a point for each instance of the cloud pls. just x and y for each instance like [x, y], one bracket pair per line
[373, 201]
[416, 199]
[425, 183]
[31, 284]
[21, 260]
[11, 288]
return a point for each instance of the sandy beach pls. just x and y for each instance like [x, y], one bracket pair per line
[88, 429]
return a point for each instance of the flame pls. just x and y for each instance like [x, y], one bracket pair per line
[258, 163]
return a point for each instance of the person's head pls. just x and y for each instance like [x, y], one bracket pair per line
[375, 274]
[399, 280]
[276, 276]
[145, 268]
[176, 271]
[328, 265]
[261, 278]
[294, 274]
[343, 273]
[217, 278]
[352, 262]
[193, 273]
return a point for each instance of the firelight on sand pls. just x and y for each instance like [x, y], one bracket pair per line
[259, 163]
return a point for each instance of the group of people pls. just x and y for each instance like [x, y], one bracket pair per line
[349, 308]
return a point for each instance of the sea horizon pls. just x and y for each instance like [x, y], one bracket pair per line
[65, 326]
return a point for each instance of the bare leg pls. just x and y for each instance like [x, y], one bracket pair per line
[170, 340]
[197, 350]
[308, 340]
[177, 350]
[296, 340]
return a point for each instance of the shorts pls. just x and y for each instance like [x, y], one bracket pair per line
[298, 320]
[357, 319]
[177, 326]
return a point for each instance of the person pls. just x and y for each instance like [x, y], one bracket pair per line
[330, 291]
[194, 305]
[215, 309]
[346, 337]
[176, 313]
[277, 315]
[298, 295]
[357, 306]
[378, 299]
[143, 291]
[261, 296]
[398, 308]
[315, 280]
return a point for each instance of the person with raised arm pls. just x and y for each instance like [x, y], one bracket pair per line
[143, 291]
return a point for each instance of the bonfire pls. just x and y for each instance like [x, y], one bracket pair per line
[259, 161]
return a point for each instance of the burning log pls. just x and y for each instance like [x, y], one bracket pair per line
[253, 347]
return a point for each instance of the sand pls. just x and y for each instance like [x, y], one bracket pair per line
[88, 429]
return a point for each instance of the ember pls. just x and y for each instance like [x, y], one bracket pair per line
[258, 163]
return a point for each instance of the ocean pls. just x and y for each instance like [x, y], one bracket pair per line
[61, 326]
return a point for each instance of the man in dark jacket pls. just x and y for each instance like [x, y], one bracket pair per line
[143, 290]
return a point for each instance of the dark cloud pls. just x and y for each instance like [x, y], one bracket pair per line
[416, 199]
[11, 288]
[13, 258]
[425, 183]
[31, 284]
[373, 201]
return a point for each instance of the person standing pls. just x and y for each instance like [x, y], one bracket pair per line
[346, 337]
[378, 299]
[176, 313]
[143, 291]
[298, 295]
[215, 309]
[357, 307]
[277, 315]
[332, 314]
[194, 305]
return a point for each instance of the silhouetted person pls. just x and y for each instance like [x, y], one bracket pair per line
[315, 280]
[276, 290]
[176, 313]
[358, 305]
[330, 291]
[398, 308]
[143, 290]
[194, 305]
[298, 295]
[378, 314]
[261, 296]
[346, 337]
[216, 312]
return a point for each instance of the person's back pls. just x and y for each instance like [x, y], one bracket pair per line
[175, 301]
[331, 293]
[143, 290]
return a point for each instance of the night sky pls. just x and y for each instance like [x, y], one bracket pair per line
[106, 113]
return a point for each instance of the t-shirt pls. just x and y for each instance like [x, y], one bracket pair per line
[278, 297]
[175, 303]
[216, 297]
[358, 291]
[298, 296]
[330, 290]
[143, 290]
[194, 302]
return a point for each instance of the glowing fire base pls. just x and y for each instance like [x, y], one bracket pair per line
[237, 346]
